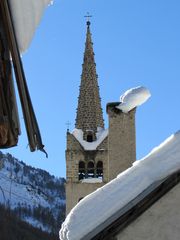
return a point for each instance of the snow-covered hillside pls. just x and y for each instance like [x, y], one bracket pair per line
[36, 196]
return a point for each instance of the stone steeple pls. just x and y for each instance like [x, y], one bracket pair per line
[114, 149]
[89, 111]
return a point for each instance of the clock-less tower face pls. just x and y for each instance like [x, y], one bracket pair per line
[86, 170]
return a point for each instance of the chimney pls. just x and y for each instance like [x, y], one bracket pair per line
[121, 139]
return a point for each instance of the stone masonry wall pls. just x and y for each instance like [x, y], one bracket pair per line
[77, 191]
[121, 140]
[74, 154]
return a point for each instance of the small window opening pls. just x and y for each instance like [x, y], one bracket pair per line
[82, 170]
[89, 138]
[90, 170]
[99, 169]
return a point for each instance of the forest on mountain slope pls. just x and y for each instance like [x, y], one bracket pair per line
[12, 228]
[32, 195]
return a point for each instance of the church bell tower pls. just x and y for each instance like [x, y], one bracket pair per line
[86, 154]
[95, 155]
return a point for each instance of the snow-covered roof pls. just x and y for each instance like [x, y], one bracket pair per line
[26, 16]
[161, 162]
[132, 98]
[100, 135]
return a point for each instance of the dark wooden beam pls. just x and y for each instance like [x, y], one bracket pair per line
[34, 136]
[9, 121]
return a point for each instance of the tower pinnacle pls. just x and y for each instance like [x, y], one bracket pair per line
[89, 112]
[88, 19]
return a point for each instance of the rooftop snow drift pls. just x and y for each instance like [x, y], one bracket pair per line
[107, 200]
[132, 98]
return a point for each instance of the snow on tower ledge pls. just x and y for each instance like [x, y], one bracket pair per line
[90, 146]
[161, 162]
[132, 98]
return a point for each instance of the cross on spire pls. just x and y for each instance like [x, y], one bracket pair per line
[68, 125]
[88, 18]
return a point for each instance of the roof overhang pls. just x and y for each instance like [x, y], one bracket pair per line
[122, 218]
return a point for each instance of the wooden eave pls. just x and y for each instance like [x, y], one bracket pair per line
[33, 132]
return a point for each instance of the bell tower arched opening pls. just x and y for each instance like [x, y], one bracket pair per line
[82, 170]
[99, 169]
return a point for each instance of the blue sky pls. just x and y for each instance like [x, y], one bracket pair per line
[135, 43]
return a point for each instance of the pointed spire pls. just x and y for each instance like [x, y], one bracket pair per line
[89, 111]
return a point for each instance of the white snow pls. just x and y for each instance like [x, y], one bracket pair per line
[26, 16]
[132, 98]
[14, 192]
[92, 180]
[101, 135]
[107, 200]
[36, 224]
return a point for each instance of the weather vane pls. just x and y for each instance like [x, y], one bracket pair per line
[88, 17]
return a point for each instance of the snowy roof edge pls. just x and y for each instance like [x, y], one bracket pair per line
[159, 187]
